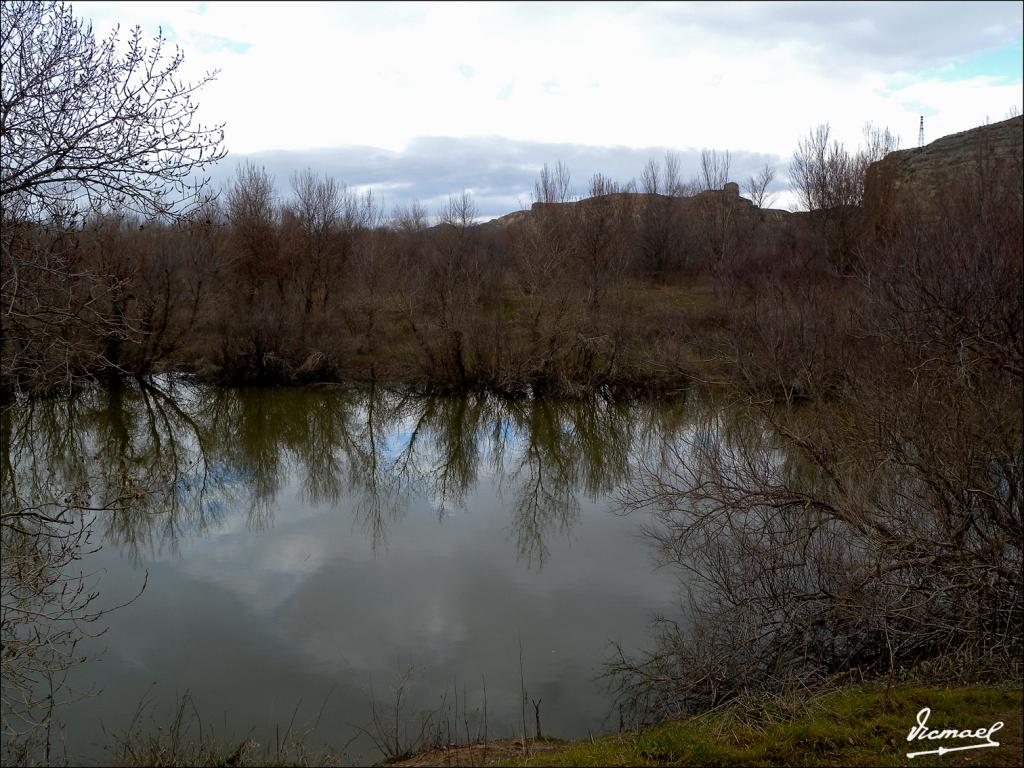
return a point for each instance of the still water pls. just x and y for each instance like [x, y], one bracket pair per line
[304, 549]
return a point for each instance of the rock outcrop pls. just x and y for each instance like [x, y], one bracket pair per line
[922, 176]
[727, 198]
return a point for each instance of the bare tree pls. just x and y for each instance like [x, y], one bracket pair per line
[827, 175]
[757, 186]
[83, 128]
[252, 217]
[665, 178]
[672, 177]
[318, 205]
[651, 179]
[660, 246]
[554, 184]
[598, 228]
[452, 286]
[318, 201]
[45, 604]
[410, 219]
[80, 121]
[822, 171]
[460, 211]
[829, 178]
[878, 142]
[714, 170]
[601, 185]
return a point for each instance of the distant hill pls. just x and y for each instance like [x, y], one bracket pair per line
[923, 174]
[920, 175]
[728, 198]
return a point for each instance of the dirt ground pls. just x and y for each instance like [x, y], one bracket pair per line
[490, 753]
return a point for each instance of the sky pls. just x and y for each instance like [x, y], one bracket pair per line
[419, 101]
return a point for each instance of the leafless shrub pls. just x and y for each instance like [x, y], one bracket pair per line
[879, 527]
[188, 739]
[397, 732]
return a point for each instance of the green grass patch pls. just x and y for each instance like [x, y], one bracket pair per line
[863, 726]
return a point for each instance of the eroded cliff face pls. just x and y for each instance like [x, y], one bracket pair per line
[726, 199]
[920, 177]
[909, 179]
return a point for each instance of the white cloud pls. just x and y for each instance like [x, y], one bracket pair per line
[742, 76]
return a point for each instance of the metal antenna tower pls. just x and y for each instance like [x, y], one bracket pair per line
[920, 133]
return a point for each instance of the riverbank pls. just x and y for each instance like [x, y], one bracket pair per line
[860, 726]
[640, 339]
[864, 725]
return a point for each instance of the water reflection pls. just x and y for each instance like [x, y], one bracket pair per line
[304, 540]
[185, 455]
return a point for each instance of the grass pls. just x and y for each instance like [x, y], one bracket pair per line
[859, 726]
[864, 726]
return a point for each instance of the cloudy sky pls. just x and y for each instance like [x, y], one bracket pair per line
[422, 100]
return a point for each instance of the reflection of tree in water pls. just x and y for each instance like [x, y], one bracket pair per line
[545, 478]
[568, 447]
[188, 456]
[139, 445]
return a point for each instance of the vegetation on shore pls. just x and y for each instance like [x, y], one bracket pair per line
[863, 725]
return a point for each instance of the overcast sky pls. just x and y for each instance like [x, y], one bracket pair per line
[423, 100]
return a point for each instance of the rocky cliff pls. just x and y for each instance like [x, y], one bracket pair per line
[922, 176]
[728, 198]
[989, 154]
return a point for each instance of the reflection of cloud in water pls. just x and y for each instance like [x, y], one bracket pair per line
[199, 461]
[294, 543]
[275, 568]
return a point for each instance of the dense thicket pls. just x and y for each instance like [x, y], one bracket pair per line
[877, 528]
[318, 283]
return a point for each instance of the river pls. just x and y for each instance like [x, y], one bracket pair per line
[305, 553]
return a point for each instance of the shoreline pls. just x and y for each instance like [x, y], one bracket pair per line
[864, 725]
